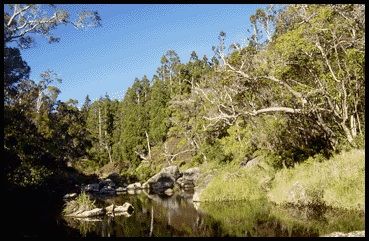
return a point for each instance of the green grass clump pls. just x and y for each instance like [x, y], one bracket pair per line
[337, 182]
[83, 203]
[232, 183]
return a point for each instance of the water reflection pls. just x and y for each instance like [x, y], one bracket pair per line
[156, 215]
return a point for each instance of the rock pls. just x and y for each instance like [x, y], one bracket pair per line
[163, 180]
[135, 185]
[340, 234]
[191, 174]
[172, 170]
[189, 178]
[121, 189]
[90, 213]
[131, 191]
[196, 197]
[115, 177]
[107, 190]
[70, 195]
[250, 163]
[106, 182]
[94, 187]
[169, 192]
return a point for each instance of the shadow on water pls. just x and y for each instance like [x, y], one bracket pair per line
[156, 215]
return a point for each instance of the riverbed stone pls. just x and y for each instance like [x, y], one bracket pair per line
[169, 192]
[163, 180]
[121, 189]
[107, 190]
[106, 182]
[135, 185]
[93, 187]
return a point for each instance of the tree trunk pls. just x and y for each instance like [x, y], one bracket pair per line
[349, 137]
[109, 152]
[148, 144]
[100, 134]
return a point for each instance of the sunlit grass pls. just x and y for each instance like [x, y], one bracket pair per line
[233, 183]
[340, 180]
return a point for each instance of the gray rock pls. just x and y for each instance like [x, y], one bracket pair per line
[189, 178]
[135, 185]
[106, 182]
[169, 192]
[121, 189]
[94, 187]
[107, 190]
[163, 180]
[250, 163]
[70, 195]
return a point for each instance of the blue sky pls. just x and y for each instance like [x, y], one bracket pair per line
[130, 43]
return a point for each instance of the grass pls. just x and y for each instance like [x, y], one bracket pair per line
[83, 202]
[337, 182]
[232, 183]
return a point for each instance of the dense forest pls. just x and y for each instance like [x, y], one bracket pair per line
[296, 91]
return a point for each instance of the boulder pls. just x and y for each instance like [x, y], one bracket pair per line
[106, 182]
[189, 178]
[169, 192]
[250, 162]
[109, 190]
[94, 187]
[131, 191]
[191, 174]
[121, 189]
[135, 185]
[116, 178]
[163, 180]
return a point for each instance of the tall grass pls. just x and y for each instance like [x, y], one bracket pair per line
[337, 182]
[82, 203]
[232, 183]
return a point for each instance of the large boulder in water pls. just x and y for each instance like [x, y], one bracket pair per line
[189, 178]
[163, 180]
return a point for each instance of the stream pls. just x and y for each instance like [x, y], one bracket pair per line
[175, 216]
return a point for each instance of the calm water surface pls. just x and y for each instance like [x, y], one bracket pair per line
[156, 215]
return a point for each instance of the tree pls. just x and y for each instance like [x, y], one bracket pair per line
[308, 69]
[22, 20]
